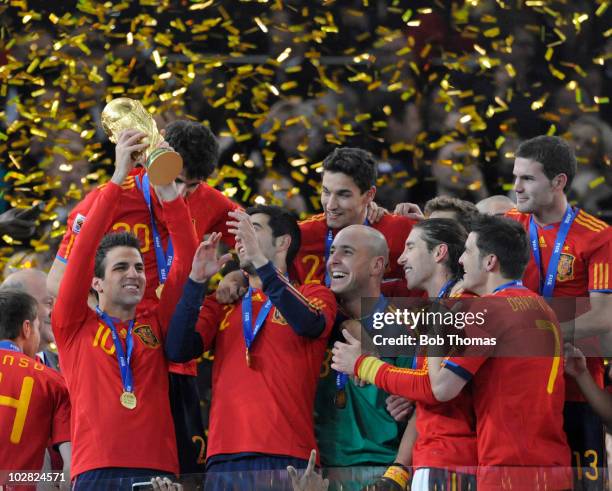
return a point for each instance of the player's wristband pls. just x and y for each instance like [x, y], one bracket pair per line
[399, 474]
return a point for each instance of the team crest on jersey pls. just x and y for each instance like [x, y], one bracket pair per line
[147, 336]
[565, 270]
[278, 318]
[78, 223]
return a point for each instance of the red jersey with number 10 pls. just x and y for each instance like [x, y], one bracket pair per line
[103, 430]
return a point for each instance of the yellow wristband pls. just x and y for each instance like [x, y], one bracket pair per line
[398, 474]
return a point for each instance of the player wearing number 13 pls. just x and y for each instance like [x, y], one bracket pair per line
[121, 420]
[518, 400]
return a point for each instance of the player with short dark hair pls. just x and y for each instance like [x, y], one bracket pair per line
[348, 187]
[141, 214]
[554, 154]
[113, 359]
[268, 348]
[34, 401]
[570, 257]
[520, 439]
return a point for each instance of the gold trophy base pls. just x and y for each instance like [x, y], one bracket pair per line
[163, 166]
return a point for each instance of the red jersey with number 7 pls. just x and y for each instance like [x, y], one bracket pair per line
[518, 400]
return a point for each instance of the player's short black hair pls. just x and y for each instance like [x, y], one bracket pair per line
[282, 222]
[15, 307]
[507, 240]
[356, 163]
[464, 210]
[108, 242]
[555, 155]
[196, 144]
[436, 231]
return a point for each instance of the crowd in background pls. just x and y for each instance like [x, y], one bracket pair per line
[440, 92]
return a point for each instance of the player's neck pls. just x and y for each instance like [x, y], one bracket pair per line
[553, 213]
[121, 312]
[19, 342]
[494, 281]
[255, 281]
[352, 303]
[435, 283]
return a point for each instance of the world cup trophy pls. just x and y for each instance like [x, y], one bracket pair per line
[162, 164]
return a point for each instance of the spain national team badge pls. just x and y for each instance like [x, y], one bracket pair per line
[147, 336]
[278, 318]
[565, 270]
[128, 400]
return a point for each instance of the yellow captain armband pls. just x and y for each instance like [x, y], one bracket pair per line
[367, 367]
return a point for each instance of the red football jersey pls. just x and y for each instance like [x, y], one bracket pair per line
[132, 216]
[276, 394]
[34, 411]
[583, 268]
[446, 431]
[209, 208]
[518, 400]
[309, 265]
[103, 431]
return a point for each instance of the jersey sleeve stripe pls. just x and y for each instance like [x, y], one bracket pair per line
[457, 370]
[590, 225]
[590, 218]
[297, 294]
[61, 259]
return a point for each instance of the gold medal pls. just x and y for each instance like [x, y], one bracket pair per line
[248, 358]
[158, 290]
[340, 399]
[128, 400]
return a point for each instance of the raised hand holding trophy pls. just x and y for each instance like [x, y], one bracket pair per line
[162, 164]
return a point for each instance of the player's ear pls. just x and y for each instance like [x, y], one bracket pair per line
[377, 265]
[370, 193]
[283, 242]
[491, 262]
[559, 182]
[27, 329]
[441, 252]
[96, 284]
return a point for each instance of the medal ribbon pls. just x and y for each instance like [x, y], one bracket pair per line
[9, 345]
[547, 288]
[329, 238]
[510, 284]
[250, 332]
[445, 288]
[164, 259]
[381, 305]
[124, 358]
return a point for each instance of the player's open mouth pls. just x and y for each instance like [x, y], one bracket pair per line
[133, 288]
[337, 275]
